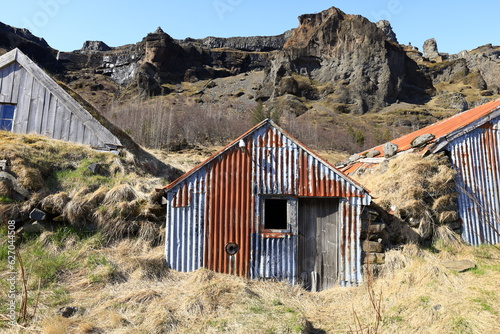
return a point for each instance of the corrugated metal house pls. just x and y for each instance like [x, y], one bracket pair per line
[267, 207]
[472, 141]
[31, 102]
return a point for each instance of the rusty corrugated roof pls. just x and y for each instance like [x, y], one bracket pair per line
[285, 133]
[442, 130]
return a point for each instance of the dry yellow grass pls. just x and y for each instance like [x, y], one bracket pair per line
[419, 190]
[123, 285]
[417, 294]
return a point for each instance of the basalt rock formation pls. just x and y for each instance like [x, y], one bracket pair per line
[365, 70]
[350, 63]
[254, 43]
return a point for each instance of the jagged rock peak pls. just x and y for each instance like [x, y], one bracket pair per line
[158, 31]
[387, 29]
[95, 46]
[316, 19]
[309, 24]
[159, 34]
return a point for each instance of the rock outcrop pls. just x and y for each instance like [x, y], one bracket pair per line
[254, 43]
[478, 68]
[350, 53]
[431, 49]
[34, 47]
[386, 27]
[95, 46]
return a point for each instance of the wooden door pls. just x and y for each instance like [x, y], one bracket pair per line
[318, 246]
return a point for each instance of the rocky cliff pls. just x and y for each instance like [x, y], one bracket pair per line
[332, 62]
[253, 43]
[363, 68]
[35, 47]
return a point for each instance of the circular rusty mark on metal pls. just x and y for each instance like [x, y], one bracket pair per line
[232, 248]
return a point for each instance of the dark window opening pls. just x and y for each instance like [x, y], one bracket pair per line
[275, 215]
[6, 116]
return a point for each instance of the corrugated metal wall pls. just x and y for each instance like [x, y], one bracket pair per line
[350, 265]
[274, 257]
[40, 110]
[229, 216]
[235, 184]
[185, 228]
[476, 156]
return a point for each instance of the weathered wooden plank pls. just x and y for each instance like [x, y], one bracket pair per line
[1, 84]
[49, 117]
[66, 124]
[7, 84]
[8, 58]
[36, 106]
[87, 136]
[373, 160]
[79, 132]
[73, 129]
[23, 106]
[19, 75]
[40, 98]
[58, 121]
[45, 111]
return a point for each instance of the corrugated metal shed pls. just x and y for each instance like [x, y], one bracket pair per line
[41, 106]
[472, 138]
[222, 215]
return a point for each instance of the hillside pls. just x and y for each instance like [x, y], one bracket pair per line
[96, 264]
[88, 252]
[334, 76]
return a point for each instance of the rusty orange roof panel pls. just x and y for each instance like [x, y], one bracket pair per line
[441, 128]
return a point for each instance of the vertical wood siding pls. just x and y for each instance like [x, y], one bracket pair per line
[42, 107]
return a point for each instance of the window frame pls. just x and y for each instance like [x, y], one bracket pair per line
[3, 119]
[267, 232]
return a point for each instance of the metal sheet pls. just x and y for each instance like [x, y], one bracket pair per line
[283, 167]
[230, 203]
[274, 258]
[185, 229]
[476, 156]
[350, 242]
[264, 162]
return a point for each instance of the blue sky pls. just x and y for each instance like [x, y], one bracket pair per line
[67, 24]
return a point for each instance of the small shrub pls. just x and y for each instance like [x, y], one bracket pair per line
[461, 325]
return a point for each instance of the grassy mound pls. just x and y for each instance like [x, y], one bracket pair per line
[421, 193]
[119, 200]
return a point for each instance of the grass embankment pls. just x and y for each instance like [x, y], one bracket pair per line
[115, 274]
